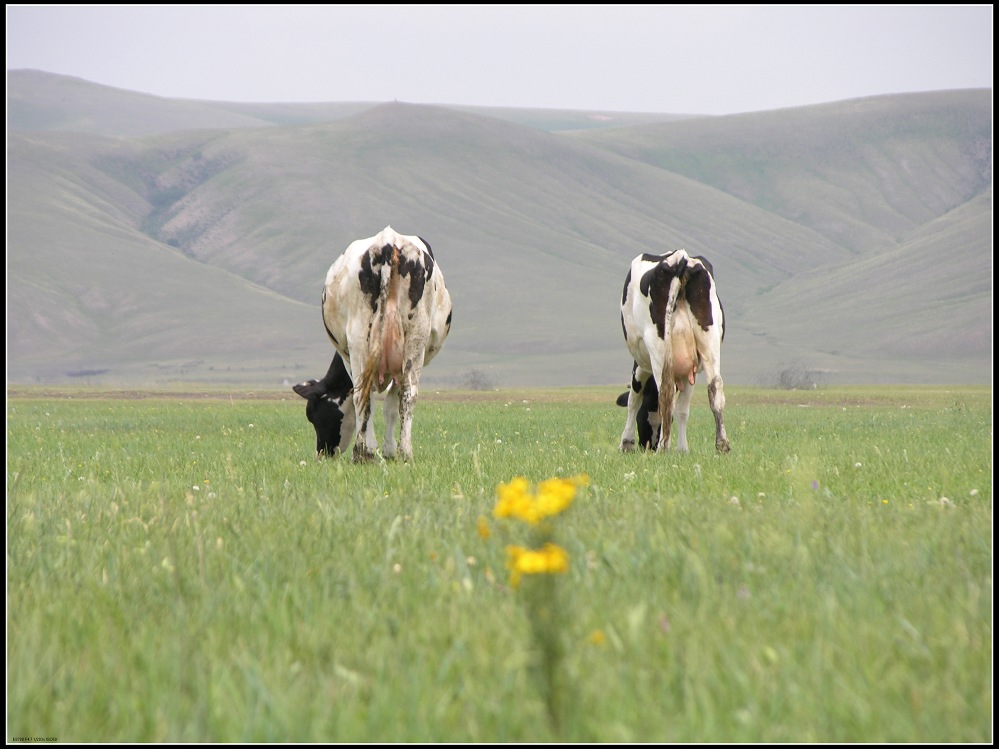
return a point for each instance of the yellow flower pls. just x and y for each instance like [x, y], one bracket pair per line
[483, 527]
[516, 499]
[554, 495]
[549, 559]
[597, 637]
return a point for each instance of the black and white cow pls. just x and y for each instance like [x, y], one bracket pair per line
[674, 326]
[387, 312]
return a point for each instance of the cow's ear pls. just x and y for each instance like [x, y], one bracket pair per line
[308, 389]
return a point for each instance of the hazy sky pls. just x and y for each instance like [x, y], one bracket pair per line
[704, 59]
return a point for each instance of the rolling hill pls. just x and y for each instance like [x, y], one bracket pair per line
[152, 241]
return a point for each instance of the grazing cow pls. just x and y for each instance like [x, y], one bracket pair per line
[674, 326]
[387, 312]
[325, 408]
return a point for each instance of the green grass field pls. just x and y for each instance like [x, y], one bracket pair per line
[183, 569]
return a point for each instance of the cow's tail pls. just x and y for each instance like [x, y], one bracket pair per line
[667, 389]
[385, 335]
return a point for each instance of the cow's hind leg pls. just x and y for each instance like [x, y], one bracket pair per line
[409, 388]
[667, 404]
[716, 398]
[407, 402]
[365, 444]
[391, 409]
[680, 414]
[710, 349]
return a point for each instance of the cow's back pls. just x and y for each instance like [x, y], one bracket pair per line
[643, 306]
[357, 294]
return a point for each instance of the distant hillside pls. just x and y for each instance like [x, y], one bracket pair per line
[38, 101]
[853, 237]
[860, 172]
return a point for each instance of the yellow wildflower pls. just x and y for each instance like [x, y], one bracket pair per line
[549, 559]
[516, 499]
[483, 527]
[554, 495]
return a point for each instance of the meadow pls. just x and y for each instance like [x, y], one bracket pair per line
[181, 568]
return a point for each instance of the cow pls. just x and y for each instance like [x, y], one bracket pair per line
[387, 313]
[674, 326]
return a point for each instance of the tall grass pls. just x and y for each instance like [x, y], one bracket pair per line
[186, 570]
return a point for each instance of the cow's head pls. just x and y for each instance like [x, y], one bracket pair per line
[330, 408]
[648, 421]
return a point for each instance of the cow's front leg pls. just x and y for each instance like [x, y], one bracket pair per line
[628, 435]
[636, 395]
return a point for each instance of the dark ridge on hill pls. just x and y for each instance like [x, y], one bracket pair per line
[38, 101]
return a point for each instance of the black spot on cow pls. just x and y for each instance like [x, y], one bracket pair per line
[627, 283]
[417, 278]
[370, 281]
[655, 284]
[698, 292]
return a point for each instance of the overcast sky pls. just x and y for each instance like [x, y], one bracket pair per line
[683, 59]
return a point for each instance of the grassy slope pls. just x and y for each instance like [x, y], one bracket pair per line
[861, 172]
[902, 294]
[88, 291]
[38, 101]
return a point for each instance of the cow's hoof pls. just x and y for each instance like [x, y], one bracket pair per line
[722, 447]
[363, 456]
[627, 446]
